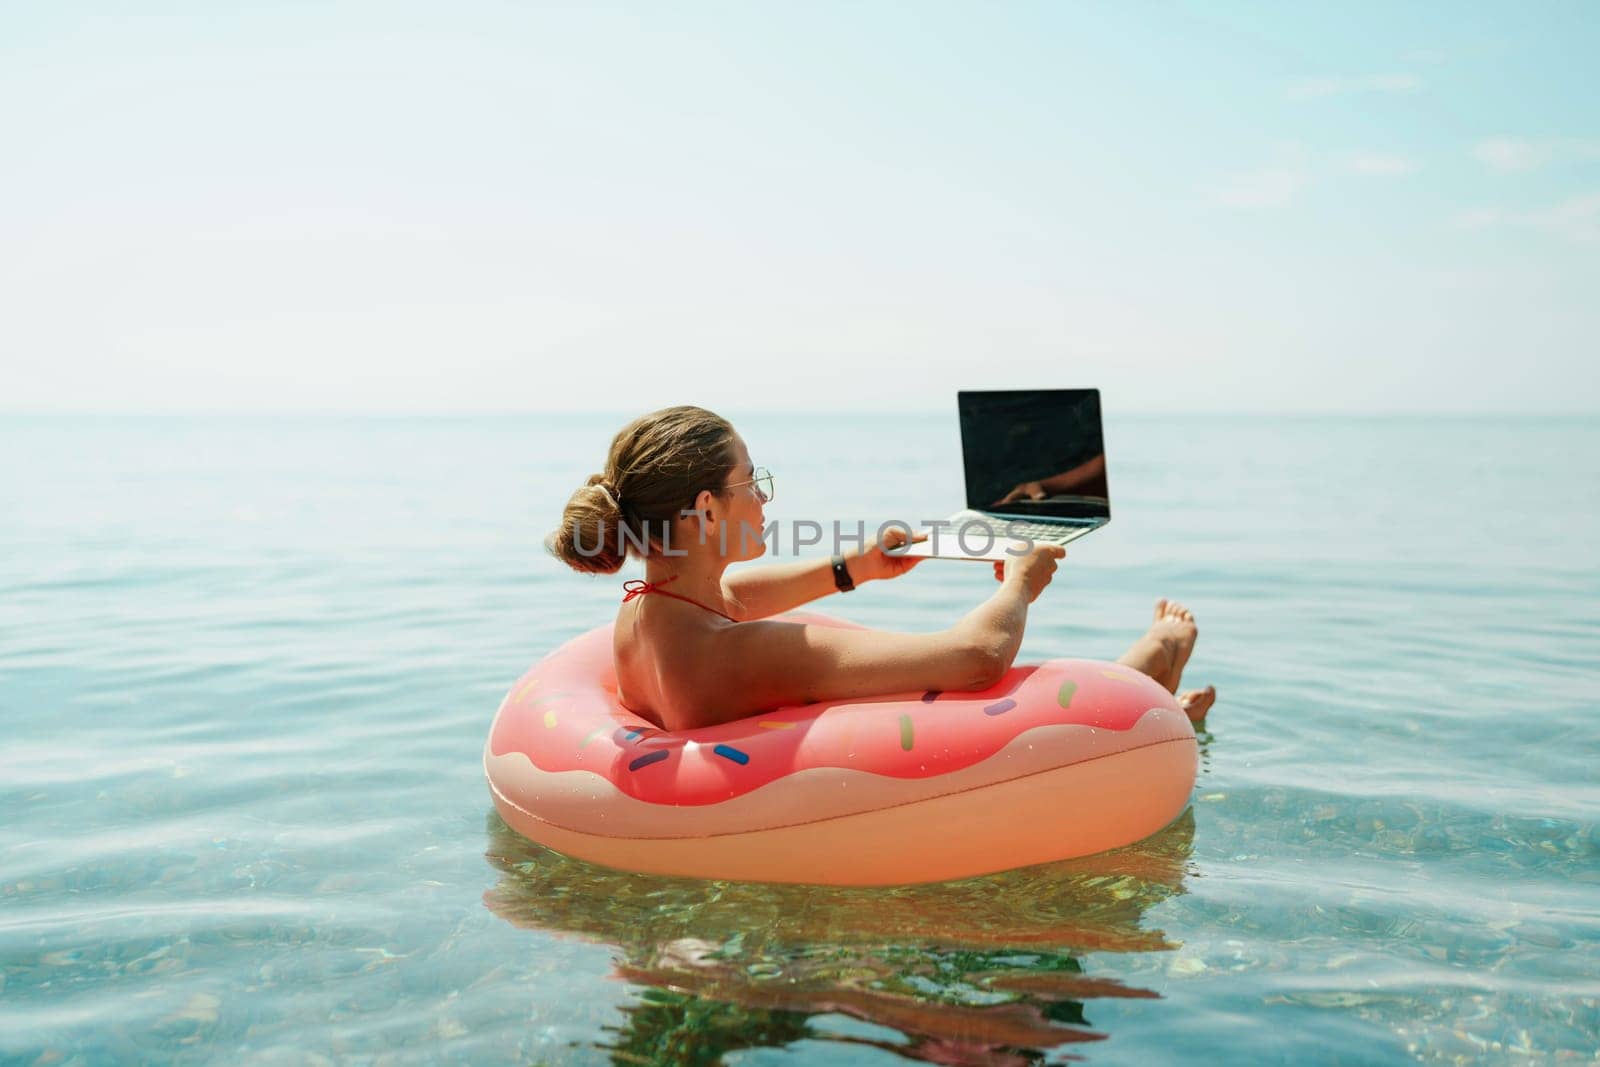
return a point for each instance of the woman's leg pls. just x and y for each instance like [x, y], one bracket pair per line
[1153, 656]
[1163, 651]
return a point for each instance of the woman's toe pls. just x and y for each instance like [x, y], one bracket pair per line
[1196, 702]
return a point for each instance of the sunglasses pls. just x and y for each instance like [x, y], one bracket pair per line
[762, 481]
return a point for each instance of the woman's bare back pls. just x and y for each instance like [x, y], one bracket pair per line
[657, 652]
[682, 669]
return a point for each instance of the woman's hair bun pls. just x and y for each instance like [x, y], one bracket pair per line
[666, 457]
[597, 481]
[590, 535]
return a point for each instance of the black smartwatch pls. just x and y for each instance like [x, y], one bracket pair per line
[841, 575]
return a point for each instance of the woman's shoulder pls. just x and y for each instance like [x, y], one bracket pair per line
[664, 662]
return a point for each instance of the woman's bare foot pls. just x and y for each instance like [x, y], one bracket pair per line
[1196, 702]
[1174, 626]
[1164, 649]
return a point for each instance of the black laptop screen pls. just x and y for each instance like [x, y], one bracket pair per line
[1034, 452]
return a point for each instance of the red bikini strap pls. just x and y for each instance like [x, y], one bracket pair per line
[640, 588]
[635, 587]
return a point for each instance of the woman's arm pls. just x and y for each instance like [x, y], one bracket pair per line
[773, 588]
[770, 664]
[778, 587]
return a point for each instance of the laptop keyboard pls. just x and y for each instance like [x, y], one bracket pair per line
[1047, 532]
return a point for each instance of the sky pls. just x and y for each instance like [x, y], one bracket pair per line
[494, 207]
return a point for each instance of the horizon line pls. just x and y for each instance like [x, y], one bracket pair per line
[511, 413]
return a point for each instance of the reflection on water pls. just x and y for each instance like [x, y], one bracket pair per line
[987, 970]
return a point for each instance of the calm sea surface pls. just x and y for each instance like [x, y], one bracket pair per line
[247, 667]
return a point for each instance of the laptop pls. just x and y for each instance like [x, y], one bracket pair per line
[1035, 465]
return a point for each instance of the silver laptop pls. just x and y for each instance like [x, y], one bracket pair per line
[1035, 464]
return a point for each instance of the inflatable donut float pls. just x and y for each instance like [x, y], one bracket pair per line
[1056, 760]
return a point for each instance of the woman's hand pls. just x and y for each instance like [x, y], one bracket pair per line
[876, 563]
[1031, 570]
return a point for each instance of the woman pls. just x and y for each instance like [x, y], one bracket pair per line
[680, 491]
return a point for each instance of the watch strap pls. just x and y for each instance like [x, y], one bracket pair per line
[841, 575]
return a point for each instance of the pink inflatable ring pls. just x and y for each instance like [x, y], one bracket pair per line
[1057, 760]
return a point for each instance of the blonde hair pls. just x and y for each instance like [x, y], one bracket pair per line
[656, 466]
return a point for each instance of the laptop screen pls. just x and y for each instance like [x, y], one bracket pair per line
[1034, 452]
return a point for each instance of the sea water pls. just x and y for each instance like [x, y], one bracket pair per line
[247, 666]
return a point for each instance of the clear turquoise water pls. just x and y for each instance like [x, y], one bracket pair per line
[247, 667]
